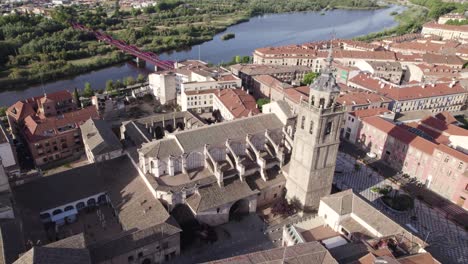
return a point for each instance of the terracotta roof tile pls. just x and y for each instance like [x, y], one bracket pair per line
[446, 117]
[463, 28]
[361, 98]
[238, 102]
[407, 92]
[363, 113]
[36, 129]
[442, 126]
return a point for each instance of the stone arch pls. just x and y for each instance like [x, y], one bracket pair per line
[169, 128]
[239, 209]
[159, 132]
[91, 202]
[80, 205]
[69, 208]
[57, 211]
[102, 199]
[195, 160]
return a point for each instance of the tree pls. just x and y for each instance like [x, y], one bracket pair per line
[109, 86]
[3, 110]
[88, 91]
[118, 84]
[261, 102]
[309, 78]
[141, 78]
[76, 97]
[130, 80]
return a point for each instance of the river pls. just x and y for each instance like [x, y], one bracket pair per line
[261, 31]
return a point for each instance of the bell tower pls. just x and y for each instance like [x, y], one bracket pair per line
[309, 175]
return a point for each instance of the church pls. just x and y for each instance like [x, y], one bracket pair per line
[237, 166]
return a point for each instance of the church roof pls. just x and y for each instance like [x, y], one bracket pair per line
[312, 252]
[217, 134]
[43, 255]
[213, 196]
[326, 82]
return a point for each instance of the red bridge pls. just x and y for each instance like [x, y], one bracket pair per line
[135, 51]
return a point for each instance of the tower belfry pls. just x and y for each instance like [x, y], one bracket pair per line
[316, 140]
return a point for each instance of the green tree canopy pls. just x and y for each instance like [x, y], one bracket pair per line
[88, 91]
[109, 85]
[261, 102]
[309, 78]
[141, 78]
[76, 97]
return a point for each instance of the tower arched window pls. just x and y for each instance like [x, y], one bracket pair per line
[322, 103]
[303, 122]
[312, 100]
[311, 127]
[328, 128]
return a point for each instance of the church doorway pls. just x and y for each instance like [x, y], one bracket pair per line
[239, 209]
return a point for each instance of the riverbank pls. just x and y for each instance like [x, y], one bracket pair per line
[290, 28]
[47, 53]
[418, 13]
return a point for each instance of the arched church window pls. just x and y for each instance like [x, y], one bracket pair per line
[311, 127]
[312, 100]
[303, 122]
[322, 103]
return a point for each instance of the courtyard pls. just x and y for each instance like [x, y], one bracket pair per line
[97, 223]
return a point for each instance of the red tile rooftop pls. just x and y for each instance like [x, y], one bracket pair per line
[361, 98]
[401, 134]
[208, 91]
[446, 117]
[238, 102]
[463, 28]
[406, 92]
[442, 126]
[271, 82]
[36, 129]
[228, 77]
[363, 113]
[438, 137]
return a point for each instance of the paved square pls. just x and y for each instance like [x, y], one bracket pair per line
[448, 242]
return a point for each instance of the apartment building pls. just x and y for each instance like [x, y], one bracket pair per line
[57, 137]
[435, 97]
[446, 32]
[415, 152]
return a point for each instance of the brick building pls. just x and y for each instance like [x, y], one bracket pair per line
[56, 137]
[415, 152]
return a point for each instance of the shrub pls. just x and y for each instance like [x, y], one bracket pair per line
[400, 202]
